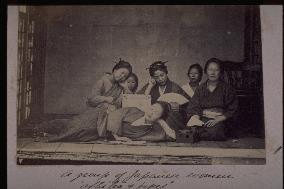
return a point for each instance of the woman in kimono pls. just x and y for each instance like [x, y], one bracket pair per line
[195, 76]
[160, 84]
[90, 125]
[214, 103]
[133, 124]
[130, 85]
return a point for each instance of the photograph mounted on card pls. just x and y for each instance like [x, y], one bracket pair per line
[117, 84]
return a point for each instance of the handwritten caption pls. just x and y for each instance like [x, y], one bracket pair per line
[131, 179]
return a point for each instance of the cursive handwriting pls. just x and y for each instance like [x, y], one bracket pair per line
[136, 179]
[206, 175]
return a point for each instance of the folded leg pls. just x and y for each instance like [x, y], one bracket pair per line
[215, 133]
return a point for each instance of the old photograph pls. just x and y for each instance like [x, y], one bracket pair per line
[140, 84]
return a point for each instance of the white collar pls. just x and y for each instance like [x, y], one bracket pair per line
[188, 89]
[162, 91]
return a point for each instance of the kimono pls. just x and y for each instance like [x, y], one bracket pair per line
[206, 104]
[91, 124]
[176, 120]
[171, 87]
[189, 91]
[128, 122]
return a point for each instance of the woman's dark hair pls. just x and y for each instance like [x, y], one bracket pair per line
[158, 65]
[122, 64]
[136, 81]
[216, 61]
[199, 69]
[166, 109]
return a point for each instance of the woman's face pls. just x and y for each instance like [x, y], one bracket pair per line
[160, 77]
[120, 74]
[213, 71]
[194, 75]
[131, 83]
[154, 112]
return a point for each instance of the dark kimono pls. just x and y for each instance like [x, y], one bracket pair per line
[223, 100]
[119, 123]
[171, 87]
[176, 120]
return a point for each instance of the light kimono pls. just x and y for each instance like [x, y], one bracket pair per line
[91, 124]
[130, 122]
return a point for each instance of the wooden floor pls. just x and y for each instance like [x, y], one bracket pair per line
[241, 151]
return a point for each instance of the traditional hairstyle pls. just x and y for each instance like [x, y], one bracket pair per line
[199, 69]
[122, 64]
[134, 76]
[158, 65]
[216, 61]
[166, 109]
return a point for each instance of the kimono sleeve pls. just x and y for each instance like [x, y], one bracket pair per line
[96, 95]
[114, 121]
[193, 107]
[177, 89]
[231, 101]
[182, 92]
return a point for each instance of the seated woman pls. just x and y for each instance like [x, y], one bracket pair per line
[130, 85]
[108, 88]
[134, 124]
[195, 76]
[214, 103]
[160, 84]
[90, 125]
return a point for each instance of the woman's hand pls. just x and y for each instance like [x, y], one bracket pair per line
[111, 108]
[125, 87]
[174, 106]
[151, 82]
[109, 99]
[213, 122]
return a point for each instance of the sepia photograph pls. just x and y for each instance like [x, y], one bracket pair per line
[140, 84]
